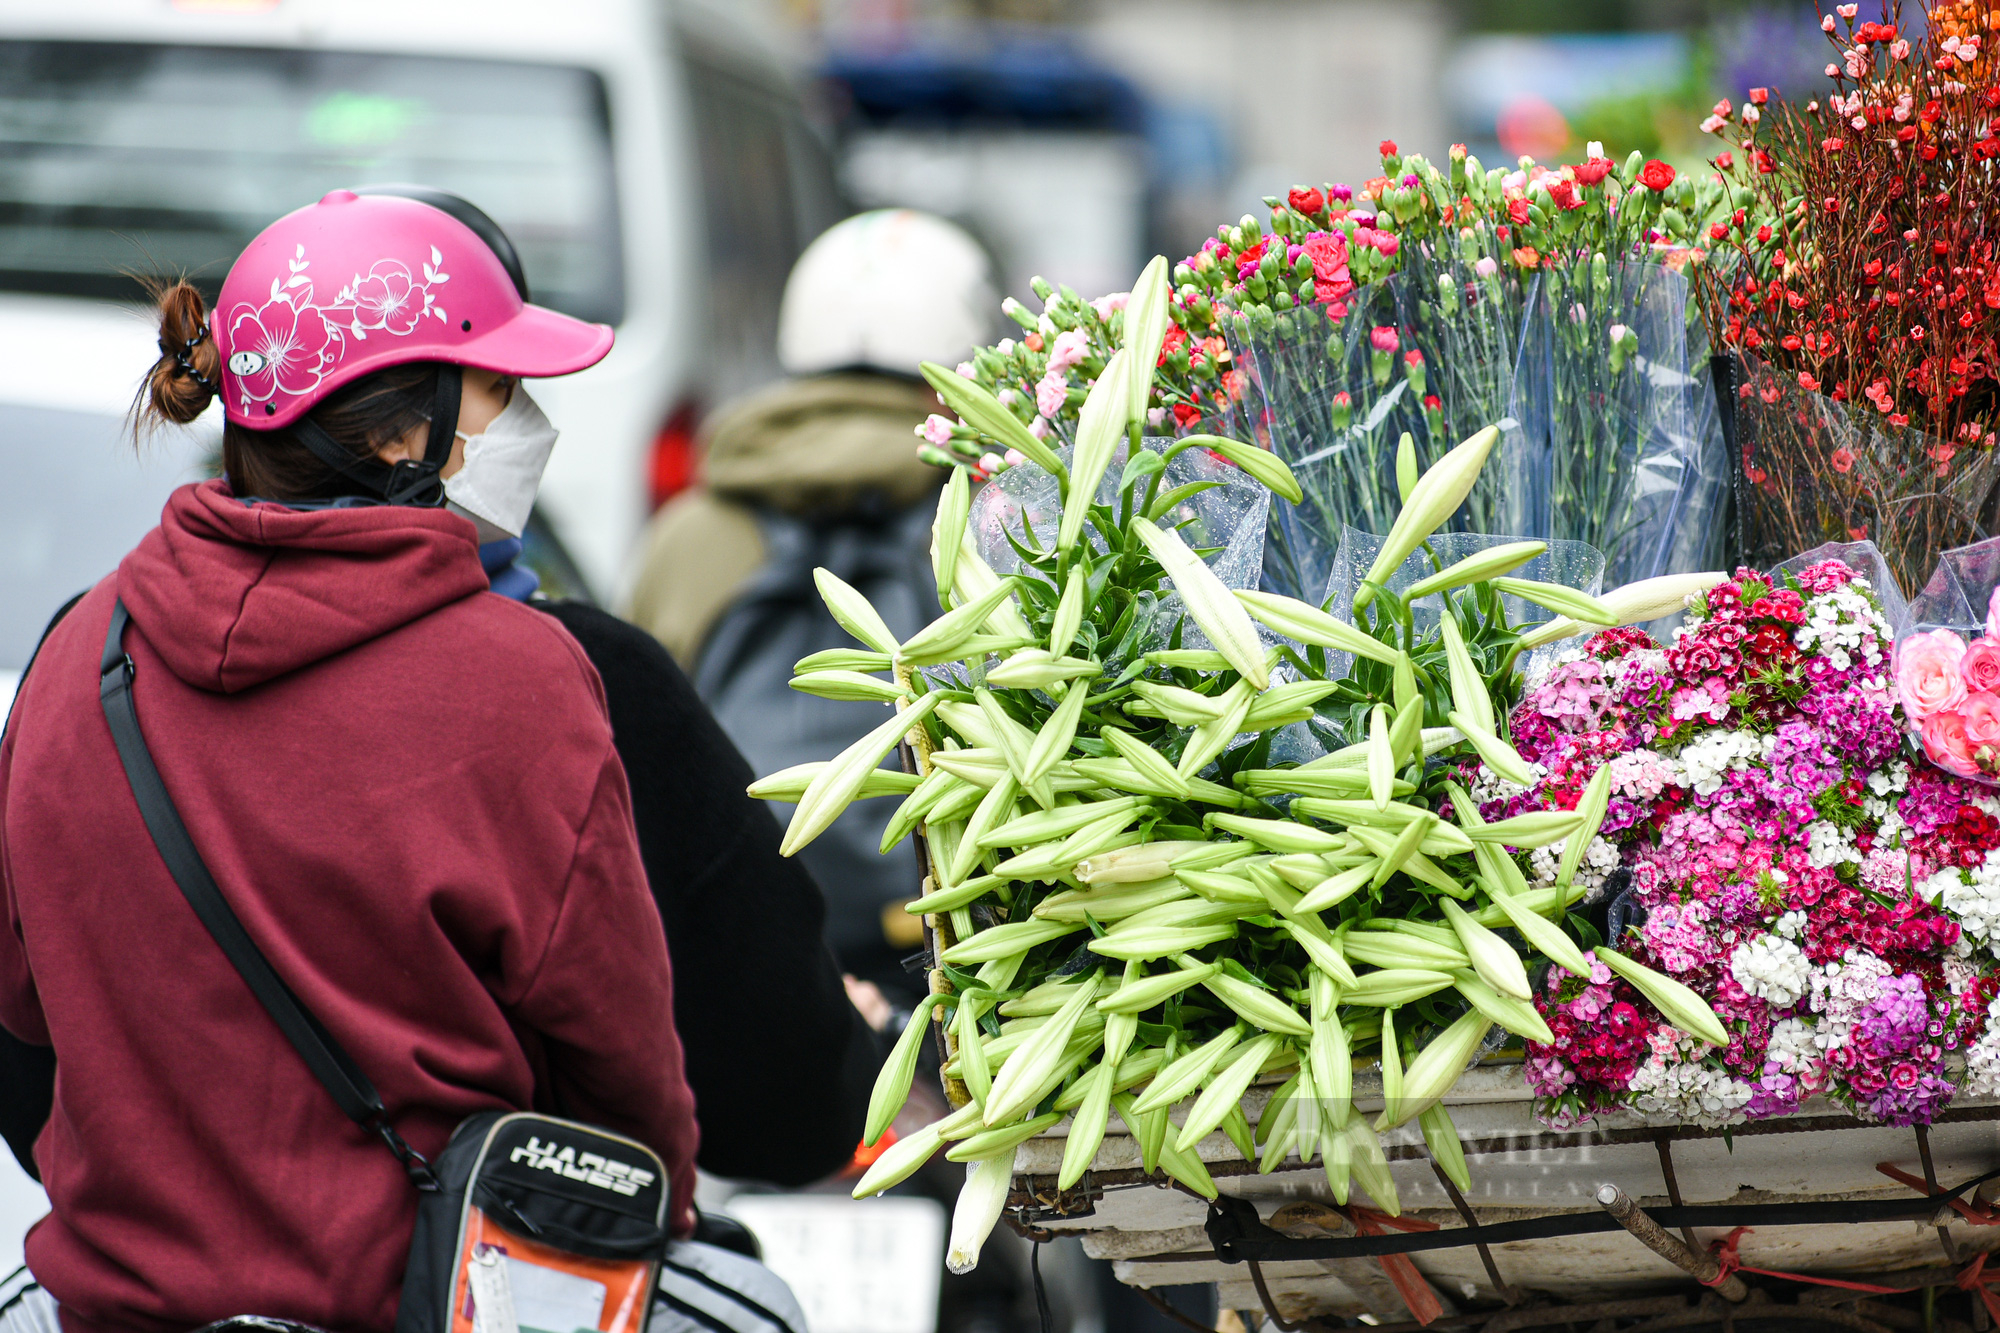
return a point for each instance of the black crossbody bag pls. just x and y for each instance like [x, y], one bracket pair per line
[525, 1221]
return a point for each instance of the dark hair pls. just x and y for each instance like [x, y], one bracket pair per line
[361, 417]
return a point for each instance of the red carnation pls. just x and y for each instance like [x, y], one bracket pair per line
[1656, 175]
[1388, 148]
[1592, 171]
[1307, 200]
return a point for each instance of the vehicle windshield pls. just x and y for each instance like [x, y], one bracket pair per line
[120, 158]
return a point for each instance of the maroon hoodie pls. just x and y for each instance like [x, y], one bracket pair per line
[406, 788]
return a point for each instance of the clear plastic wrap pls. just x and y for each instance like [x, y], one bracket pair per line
[1815, 470]
[1572, 564]
[1947, 665]
[1227, 521]
[1863, 557]
[1318, 392]
[1618, 444]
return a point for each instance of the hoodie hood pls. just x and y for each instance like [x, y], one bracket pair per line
[829, 444]
[232, 595]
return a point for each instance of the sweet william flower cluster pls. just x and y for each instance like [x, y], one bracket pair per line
[1835, 900]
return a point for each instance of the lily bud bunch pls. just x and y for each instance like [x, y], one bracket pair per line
[1134, 904]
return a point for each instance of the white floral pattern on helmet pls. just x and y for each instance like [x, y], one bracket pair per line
[289, 343]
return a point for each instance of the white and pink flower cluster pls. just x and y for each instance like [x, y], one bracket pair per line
[1835, 902]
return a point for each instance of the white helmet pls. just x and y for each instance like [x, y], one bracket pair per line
[886, 289]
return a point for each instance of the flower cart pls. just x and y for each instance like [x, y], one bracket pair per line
[1333, 900]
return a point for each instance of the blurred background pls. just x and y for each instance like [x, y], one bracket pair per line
[661, 163]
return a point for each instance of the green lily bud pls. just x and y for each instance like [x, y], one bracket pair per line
[1391, 1063]
[1218, 614]
[1536, 828]
[1188, 1071]
[1396, 985]
[978, 408]
[972, 1056]
[1497, 754]
[1278, 1126]
[1261, 464]
[892, 1084]
[948, 530]
[1381, 757]
[1280, 835]
[1159, 941]
[1145, 332]
[1225, 1090]
[1003, 1139]
[1147, 762]
[844, 659]
[1596, 801]
[1256, 1005]
[1490, 563]
[996, 807]
[1679, 1005]
[1086, 1131]
[848, 685]
[1563, 601]
[1138, 995]
[1434, 499]
[1543, 934]
[1517, 1016]
[1182, 707]
[902, 1158]
[1338, 888]
[939, 640]
[837, 785]
[856, 614]
[1043, 825]
[1394, 949]
[1037, 669]
[1005, 940]
[1069, 611]
[1492, 957]
[790, 784]
[1099, 429]
[1308, 624]
[1210, 739]
[1441, 1137]
[980, 1201]
[1436, 1068]
[1113, 904]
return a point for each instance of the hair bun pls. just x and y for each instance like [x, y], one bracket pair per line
[187, 376]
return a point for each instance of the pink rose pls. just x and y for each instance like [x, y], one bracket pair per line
[1947, 745]
[1982, 718]
[1927, 672]
[1981, 666]
[1993, 614]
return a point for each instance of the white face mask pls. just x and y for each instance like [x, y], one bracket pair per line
[503, 469]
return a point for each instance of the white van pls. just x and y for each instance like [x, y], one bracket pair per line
[649, 160]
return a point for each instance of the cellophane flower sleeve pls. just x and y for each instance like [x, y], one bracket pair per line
[1816, 470]
[1329, 387]
[1227, 520]
[1618, 444]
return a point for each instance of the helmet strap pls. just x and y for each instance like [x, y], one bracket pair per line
[408, 481]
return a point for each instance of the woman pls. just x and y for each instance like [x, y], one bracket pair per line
[406, 789]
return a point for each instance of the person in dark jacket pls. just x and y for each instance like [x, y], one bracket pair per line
[731, 906]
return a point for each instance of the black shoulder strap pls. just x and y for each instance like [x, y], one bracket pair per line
[329, 1062]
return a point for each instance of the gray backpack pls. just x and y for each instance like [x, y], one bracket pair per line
[744, 676]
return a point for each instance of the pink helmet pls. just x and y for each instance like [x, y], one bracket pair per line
[355, 283]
